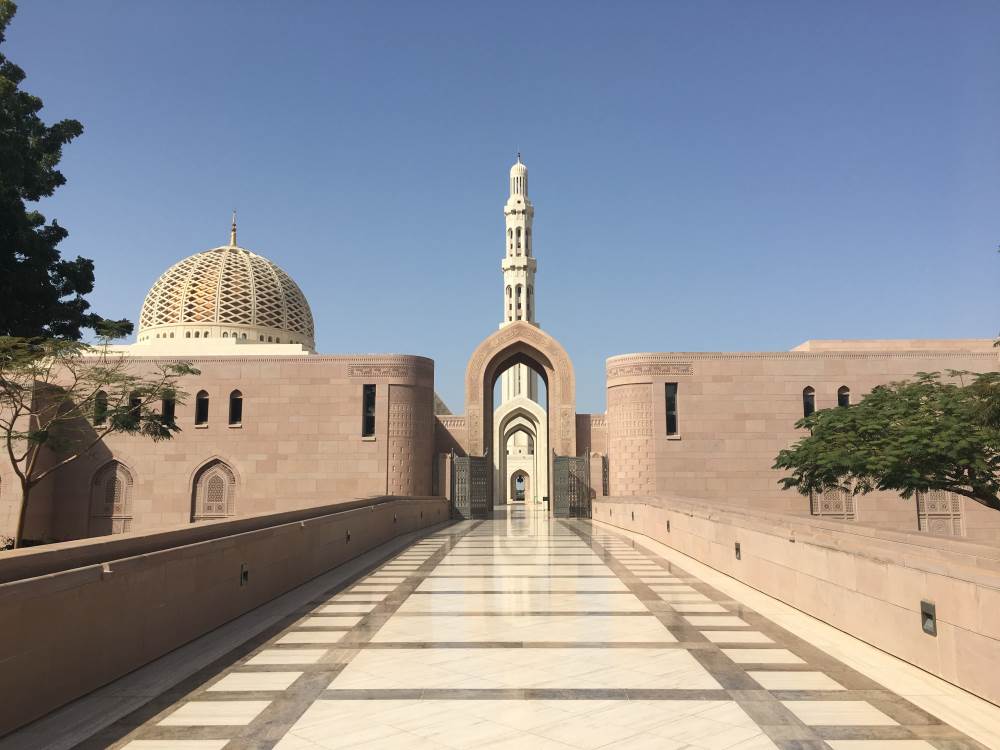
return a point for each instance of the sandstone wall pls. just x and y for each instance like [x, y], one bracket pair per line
[298, 445]
[736, 411]
[864, 580]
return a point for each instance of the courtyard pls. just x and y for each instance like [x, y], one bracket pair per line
[524, 631]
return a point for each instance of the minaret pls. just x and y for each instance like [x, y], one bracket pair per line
[519, 277]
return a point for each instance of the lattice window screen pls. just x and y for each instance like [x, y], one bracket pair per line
[940, 512]
[111, 498]
[833, 503]
[215, 492]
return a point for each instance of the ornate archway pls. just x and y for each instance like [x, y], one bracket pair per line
[520, 486]
[521, 343]
[529, 416]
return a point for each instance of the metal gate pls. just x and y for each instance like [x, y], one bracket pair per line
[571, 487]
[471, 488]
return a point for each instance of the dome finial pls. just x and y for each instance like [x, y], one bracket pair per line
[232, 231]
[518, 157]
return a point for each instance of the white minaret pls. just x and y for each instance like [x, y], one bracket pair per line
[519, 277]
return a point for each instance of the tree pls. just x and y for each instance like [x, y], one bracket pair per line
[59, 399]
[40, 293]
[912, 436]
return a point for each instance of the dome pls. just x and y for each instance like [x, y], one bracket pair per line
[227, 292]
[519, 178]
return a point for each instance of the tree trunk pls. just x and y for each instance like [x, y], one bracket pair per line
[22, 515]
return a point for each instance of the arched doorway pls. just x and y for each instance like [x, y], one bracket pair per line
[521, 343]
[526, 422]
[520, 486]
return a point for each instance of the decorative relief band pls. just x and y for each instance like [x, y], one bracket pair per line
[651, 368]
[379, 371]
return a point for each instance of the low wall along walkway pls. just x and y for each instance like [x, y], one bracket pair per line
[869, 582]
[76, 615]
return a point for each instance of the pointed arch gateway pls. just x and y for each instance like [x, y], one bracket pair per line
[521, 343]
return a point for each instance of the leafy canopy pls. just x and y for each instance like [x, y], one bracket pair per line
[929, 433]
[40, 293]
[60, 398]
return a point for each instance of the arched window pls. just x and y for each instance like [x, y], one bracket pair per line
[206, 335]
[201, 408]
[197, 334]
[171, 334]
[225, 334]
[808, 400]
[518, 245]
[262, 337]
[100, 408]
[111, 500]
[235, 408]
[214, 492]
[187, 334]
[843, 396]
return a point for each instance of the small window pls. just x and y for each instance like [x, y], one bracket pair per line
[168, 409]
[262, 337]
[134, 408]
[671, 396]
[100, 408]
[197, 334]
[171, 334]
[225, 334]
[206, 335]
[201, 408]
[808, 401]
[270, 340]
[368, 411]
[843, 396]
[187, 334]
[235, 408]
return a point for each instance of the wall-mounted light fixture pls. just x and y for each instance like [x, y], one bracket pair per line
[928, 618]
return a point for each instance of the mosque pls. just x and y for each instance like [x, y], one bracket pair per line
[270, 424]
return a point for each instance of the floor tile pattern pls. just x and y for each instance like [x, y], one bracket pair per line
[527, 632]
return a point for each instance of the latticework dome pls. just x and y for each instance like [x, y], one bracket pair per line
[227, 292]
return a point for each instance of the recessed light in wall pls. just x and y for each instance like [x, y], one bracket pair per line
[928, 618]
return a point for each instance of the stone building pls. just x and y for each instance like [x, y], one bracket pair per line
[272, 425]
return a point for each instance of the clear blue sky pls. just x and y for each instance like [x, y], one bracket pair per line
[706, 176]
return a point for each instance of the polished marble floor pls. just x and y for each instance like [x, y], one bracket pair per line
[528, 632]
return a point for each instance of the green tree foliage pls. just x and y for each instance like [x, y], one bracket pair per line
[929, 433]
[40, 293]
[59, 399]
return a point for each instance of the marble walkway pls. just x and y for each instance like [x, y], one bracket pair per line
[529, 633]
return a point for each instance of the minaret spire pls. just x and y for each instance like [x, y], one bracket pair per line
[232, 231]
[518, 268]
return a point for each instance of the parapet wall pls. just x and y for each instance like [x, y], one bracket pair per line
[76, 615]
[865, 580]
